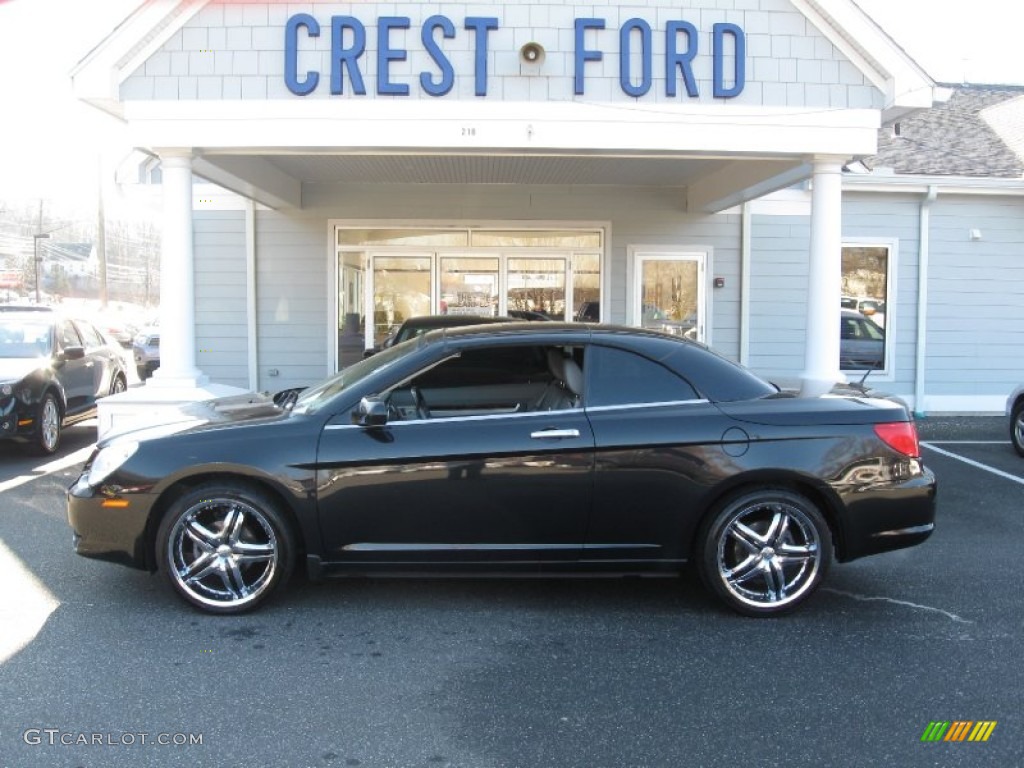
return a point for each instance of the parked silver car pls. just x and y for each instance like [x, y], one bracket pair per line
[1015, 410]
[146, 349]
[861, 342]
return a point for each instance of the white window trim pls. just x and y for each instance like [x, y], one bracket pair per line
[705, 253]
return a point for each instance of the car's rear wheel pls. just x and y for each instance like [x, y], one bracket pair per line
[1017, 427]
[764, 551]
[225, 547]
[48, 425]
[118, 385]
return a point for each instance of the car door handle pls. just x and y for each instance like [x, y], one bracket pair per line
[554, 434]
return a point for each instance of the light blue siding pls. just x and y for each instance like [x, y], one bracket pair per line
[220, 304]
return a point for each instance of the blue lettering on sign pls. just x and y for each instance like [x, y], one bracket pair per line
[482, 25]
[347, 57]
[348, 45]
[682, 61]
[582, 54]
[719, 31]
[434, 50]
[291, 54]
[626, 55]
[386, 54]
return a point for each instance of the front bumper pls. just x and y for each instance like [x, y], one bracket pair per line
[108, 526]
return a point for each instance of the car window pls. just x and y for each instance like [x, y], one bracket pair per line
[314, 398]
[502, 379]
[20, 337]
[68, 335]
[89, 334]
[493, 365]
[861, 329]
[618, 377]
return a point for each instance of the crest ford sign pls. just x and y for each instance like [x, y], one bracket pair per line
[636, 55]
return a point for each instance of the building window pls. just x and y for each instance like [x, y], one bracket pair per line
[867, 285]
[388, 274]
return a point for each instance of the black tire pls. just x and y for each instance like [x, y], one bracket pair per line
[764, 551]
[1017, 427]
[49, 426]
[118, 384]
[225, 547]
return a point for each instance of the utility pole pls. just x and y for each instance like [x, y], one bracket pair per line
[35, 246]
[101, 237]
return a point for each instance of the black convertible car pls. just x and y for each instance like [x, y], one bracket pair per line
[518, 448]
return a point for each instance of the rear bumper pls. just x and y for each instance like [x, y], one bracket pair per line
[894, 516]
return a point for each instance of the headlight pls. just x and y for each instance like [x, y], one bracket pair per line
[5, 390]
[109, 459]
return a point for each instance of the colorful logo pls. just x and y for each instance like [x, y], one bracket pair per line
[958, 730]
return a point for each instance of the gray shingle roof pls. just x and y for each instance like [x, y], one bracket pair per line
[971, 134]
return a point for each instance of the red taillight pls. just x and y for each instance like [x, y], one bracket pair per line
[900, 436]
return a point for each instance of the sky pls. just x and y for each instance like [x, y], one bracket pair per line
[50, 143]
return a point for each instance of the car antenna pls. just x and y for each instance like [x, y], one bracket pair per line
[864, 378]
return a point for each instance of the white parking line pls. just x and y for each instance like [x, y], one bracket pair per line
[969, 442]
[973, 463]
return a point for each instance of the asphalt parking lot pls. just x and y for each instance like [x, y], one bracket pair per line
[494, 673]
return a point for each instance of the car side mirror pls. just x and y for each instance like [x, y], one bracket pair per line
[73, 353]
[371, 412]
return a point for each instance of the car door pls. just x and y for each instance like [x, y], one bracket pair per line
[74, 373]
[104, 359]
[464, 471]
[658, 443]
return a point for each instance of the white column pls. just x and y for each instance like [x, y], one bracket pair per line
[177, 278]
[824, 280]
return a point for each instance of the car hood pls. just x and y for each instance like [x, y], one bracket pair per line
[207, 415]
[783, 410]
[17, 368]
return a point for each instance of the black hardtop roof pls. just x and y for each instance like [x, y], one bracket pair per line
[446, 321]
[554, 330]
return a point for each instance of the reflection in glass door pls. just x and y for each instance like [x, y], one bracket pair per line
[669, 294]
[469, 285]
[401, 289]
[536, 285]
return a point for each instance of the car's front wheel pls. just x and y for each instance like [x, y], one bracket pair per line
[48, 425]
[225, 547]
[1017, 427]
[764, 551]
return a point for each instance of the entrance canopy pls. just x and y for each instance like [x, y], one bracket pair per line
[718, 106]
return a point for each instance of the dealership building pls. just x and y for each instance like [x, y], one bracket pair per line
[716, 170]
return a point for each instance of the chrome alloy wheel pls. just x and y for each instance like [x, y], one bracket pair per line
[223, 553]
[49, 425]
[769, 552]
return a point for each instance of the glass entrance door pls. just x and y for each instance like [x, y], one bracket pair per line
[469, 285]
[400, 288]
[537, 285]
[669, 293]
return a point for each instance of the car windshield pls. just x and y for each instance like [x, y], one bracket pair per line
[21, 337]
[315, 397]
